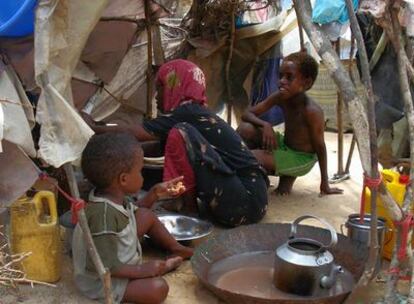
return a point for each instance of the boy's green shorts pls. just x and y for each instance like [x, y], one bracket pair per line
[289, 162]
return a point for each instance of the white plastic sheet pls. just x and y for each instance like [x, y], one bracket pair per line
[62, 28]
[16, 112]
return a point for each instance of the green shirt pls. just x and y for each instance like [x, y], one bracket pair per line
[105, 222]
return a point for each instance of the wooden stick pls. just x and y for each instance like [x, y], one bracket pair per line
[379, 50]
[350, 153]
[83, 222]
[149, 58]
[351, 75]
[353, 102]
[366, 79]
[139, 22]
[390, 296]
[409, 113]
[24, 280]
[159, 56]
[300, 29]
[339, 121]
[228, 62]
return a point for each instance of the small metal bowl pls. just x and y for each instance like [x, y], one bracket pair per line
[185, 228]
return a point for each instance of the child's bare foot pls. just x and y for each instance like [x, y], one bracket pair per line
[182, 251]
[172, 263]
[285, 185]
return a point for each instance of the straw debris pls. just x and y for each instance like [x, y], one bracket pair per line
[213, 18]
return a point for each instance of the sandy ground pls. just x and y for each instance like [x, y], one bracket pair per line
[184, 286]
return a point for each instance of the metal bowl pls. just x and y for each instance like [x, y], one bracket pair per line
[185, 228]
[266, 238]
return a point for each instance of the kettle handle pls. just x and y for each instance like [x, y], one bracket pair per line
[334, 236]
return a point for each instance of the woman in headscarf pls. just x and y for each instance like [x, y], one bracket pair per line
[217, 166]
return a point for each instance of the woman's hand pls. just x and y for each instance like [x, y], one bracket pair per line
[268, 140]
[170, 188]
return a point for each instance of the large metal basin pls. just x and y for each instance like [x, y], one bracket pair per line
[267, 237]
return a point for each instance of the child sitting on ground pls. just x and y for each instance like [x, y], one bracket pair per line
[112, 162]
[295, 153]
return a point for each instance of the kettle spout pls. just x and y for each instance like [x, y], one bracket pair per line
[328, 281]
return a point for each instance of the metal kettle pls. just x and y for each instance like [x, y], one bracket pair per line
[304, 266]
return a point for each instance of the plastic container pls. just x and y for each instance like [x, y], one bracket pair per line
[17, 17]
[396, 185]
[34, 228]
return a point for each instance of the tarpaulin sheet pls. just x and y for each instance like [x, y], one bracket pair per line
[18, 173]
[62, 29]
[16, 112]
[250, 42]
[70, 65]
[128, 87]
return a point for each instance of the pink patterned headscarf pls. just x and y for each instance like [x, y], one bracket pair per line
[181, 81]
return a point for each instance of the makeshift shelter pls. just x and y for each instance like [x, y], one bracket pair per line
[94, 56]
[91, 55]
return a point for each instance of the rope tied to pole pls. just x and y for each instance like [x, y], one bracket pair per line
[371, 183]
[404, 226]
[76, 204]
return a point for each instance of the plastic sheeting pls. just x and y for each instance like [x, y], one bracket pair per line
[326, 11]
[74, 55]
[16, 112]
[62, 29]
[17, 174]
[250, 42]
[128, 87]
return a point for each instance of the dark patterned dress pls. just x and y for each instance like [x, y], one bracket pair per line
[228, 179]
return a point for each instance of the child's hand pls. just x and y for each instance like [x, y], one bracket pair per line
[325, 189]
[156, 268]
[268, 140]
[170, 188]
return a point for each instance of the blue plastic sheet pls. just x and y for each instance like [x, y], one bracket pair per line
[326, 11]
[266, 82]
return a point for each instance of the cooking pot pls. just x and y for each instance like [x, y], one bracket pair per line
[304, 266]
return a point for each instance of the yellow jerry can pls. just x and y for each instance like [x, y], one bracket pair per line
[34, 228]
[396, 185]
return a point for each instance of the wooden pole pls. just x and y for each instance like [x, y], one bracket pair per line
[339, 120]
[351, 75]
[366, 79]
[149, 58]
[228, 62]
[353, 102]
[409, 113]
[350, 153]
[300, 29]
[103, 273]
[159, 56]
[48, 90]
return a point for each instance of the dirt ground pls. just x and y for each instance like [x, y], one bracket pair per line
[184, 286]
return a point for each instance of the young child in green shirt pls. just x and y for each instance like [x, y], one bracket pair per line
[112, 162]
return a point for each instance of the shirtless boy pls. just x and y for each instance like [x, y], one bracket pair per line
[295, 153]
